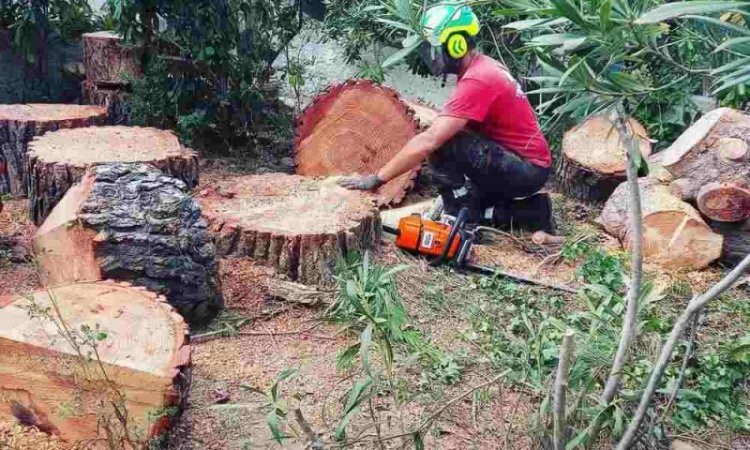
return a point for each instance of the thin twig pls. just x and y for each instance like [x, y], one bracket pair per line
[683, 369]
[315, 442]
[567, 349]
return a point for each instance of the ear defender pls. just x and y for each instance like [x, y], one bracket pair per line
[457, 46]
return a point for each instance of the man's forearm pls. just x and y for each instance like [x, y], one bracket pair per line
[411, 156]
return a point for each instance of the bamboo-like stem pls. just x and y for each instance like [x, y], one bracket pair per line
[567, 348]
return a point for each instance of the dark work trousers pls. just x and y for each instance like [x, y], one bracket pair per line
[495, 175]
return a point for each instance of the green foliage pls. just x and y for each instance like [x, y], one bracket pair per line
[602, 268]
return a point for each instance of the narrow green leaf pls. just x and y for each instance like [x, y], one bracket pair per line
[274, 424]
[721, 23]
[286, 374]
[569, 10]
[732, 83]
[674, 10]
[554, 39]
[418, 442]
[731, 66]
[365, 340]
[397, 25]
[731, 43]
[580, 439]
[605, 16]
[532, 24]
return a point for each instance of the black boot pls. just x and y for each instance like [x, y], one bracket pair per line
[531, 213]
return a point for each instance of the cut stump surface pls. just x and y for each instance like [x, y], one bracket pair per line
[58, 160]
[107, 61]
[19, 124]
[143, 349]
[356, 127]
[298, 225]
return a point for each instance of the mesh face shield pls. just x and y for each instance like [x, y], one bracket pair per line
[433, 58]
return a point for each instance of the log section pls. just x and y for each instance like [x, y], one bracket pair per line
[117, 102]
[298, 225]
[58, 160]
[736, 240]
[107, 61]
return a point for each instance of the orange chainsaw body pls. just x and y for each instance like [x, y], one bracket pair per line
[425, 236]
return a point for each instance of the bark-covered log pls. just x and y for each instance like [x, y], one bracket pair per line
[117, 102]
[710, 163]
[300, 226]
[736, 240]
[58, 160]
[19, 124]
[593, 160]
[44, 381]
[131, 222]
[356, 127]
[674, 234]
[107, 61]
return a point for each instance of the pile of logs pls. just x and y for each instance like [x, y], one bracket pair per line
[109, 67]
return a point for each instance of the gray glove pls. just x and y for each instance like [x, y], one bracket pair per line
[361, 183]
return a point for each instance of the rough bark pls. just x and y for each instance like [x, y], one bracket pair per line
[715, 150]
[117, 102]
[19, 124]
[58, 160]
[356, 127]
[424, 114]
[131, 222]
[674, 234]
[300, 226]
[593, 161]
[107, 61]
[736, 240]
[46, 382]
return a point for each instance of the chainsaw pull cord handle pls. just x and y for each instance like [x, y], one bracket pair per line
[457, 226]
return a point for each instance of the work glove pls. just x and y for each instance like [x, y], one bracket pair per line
[361, 183]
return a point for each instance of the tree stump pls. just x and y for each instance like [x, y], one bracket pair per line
[736, 240]
[117, 102]
[107, 61]
[674, 235]
[298, 225]
[594, 161]
[710, 163]
[356, 127]
[58, 160]
[131, 222]
[21, 123]
[48, 383]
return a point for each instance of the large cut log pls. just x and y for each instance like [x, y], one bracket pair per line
[21, 123]
[674, 235]
[58, 160]
[710, 163]
[355, 127]
[736, 240]
[116, 100]
[131, 222]
[62, 389]
[107, 61]
[300, 226]
[593, 161]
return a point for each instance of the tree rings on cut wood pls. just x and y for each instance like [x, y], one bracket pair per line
[19, 124]
[300, 226]
[107, 61]
[130, 222]
[58, 160]
[141, 344]
[356, 127]
[724, 202]
[594, 158]
[674, 234]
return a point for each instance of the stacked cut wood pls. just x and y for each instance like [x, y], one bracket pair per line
[131, 222]
[109, 67]
[49, 378]
[300, 226]
[593, 159]
[19, 124]
[356, 127]
[58, 160]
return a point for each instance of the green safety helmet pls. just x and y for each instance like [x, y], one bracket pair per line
[447, 24]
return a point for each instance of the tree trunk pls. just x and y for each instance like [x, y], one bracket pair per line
[107, 61]
[709, 163]
[47, 382]
[131, 222]
[117, 102]
[736, 240]
[19, 124]
[58, 160]
[594, 160]
[356, 127]
[300, 226]
[674, 235]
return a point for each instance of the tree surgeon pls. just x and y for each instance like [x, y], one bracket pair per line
[485, 150]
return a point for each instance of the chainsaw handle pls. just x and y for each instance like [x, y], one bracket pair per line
[457, 226]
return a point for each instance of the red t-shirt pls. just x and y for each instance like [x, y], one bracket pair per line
[492, 100]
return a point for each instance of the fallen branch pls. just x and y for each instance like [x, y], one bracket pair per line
[567, 349]
[315, 442]
[695, 305]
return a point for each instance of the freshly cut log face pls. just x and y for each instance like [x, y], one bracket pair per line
[594, 158]
[58, 160]
[131, 222]
[356, 127]
[107, 61]
[710, 163]
[674, 235]
[47, 382]
[19, 124]
[117, 101]
[298, 225]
